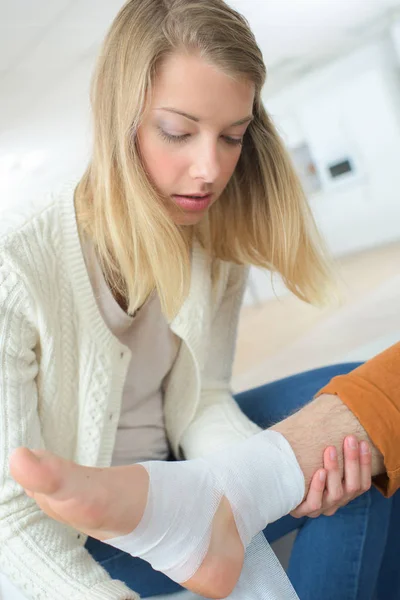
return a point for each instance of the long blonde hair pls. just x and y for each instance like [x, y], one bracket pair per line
[262, 217]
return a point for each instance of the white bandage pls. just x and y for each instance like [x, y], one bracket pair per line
[262, 481]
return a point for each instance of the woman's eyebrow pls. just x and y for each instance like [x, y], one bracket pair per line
[197, 120]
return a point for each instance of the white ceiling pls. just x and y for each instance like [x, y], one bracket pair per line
[47, 47]
[296, 35]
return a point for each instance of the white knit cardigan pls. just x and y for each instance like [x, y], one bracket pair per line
[62, 373]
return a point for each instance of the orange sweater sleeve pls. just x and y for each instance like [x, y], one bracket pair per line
[372, 393]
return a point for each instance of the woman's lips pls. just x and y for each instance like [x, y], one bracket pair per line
[193, 204]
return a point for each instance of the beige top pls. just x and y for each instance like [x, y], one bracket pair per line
[141, 431]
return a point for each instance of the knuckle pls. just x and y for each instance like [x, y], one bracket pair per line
[336, 495]
[366, 486]
[330, 512]
[353, 489]
[315, 505]
[314, 515]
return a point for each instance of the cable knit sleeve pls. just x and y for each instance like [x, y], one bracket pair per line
[219, 422]
[42, 557]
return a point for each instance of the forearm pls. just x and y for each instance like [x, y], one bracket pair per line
[325, 421]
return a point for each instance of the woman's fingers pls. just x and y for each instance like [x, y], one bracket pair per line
[352, 467]
[311, 506]
[356, 475]
[334, 486]
[366, 467]
[329, 488]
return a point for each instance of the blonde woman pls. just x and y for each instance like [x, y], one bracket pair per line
[119, 298]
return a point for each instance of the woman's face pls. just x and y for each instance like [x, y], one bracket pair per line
[191, 135]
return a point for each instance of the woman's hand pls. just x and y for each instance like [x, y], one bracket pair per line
[328, 491]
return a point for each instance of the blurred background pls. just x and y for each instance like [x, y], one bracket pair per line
[334, 93]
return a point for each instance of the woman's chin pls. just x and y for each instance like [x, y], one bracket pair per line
[187, 218]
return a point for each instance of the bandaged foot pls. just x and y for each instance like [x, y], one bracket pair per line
[105, 503]
[191, 520]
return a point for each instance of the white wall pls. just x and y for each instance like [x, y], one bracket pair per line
[351, 107]
[55, 125]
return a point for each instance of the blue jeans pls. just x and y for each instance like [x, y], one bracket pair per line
[333, 558]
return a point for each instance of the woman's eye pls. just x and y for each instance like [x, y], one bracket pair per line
[179, 139]
[233, 141]
[168, 137]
